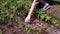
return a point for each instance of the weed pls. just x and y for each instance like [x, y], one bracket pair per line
[0, 32]
[48, 17]
[28, 30]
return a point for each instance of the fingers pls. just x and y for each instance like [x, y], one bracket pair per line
[27, 19]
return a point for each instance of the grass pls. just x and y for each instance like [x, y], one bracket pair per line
[7, 7]
[0, 32]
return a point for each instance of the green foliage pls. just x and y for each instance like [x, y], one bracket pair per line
[48, 17]
[37, 33]
[0, 32]
[42, 15]
[7, 7]
[20, 5]
[5, 15]
[28, 30]
[56, 22]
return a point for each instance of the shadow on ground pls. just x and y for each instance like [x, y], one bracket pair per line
[51, 2]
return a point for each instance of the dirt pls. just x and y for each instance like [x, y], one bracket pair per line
[11, 30]
[46, 27]
[55, 10]
[37, 25]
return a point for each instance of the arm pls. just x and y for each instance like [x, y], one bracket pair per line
[31, 10]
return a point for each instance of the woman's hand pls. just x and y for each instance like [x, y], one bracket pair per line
[27, 19]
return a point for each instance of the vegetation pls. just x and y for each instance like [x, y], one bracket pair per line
[11, 8]
[0, 32]
[50, 18]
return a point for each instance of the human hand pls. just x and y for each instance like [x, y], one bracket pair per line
[27, 19]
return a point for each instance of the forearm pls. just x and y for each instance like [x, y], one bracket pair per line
[32, 7]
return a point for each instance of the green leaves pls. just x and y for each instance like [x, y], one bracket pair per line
[56, 22]
[48, 18]
[42, 16]
[13, 6]
[27, 29]
[0, 31]
[3, 14]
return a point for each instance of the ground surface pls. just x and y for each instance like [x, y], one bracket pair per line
[37, 26]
